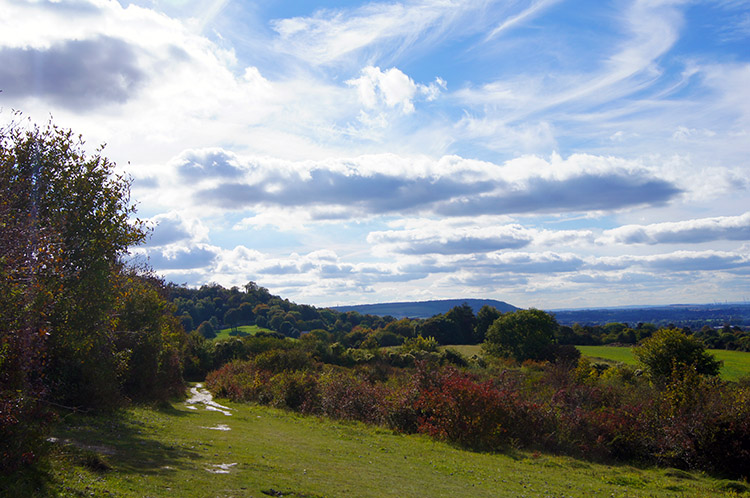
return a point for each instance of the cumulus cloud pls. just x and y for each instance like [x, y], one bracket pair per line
[450, 186]
[391, 87]
[78, 74]
[463, 236]
[172, 228]
[584, 192]
[182, 258]
[682, 232]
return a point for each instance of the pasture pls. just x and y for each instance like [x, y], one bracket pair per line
[736, 363]
[242, 330]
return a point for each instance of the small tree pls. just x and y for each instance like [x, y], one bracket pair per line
[671, 348]
[523, 335]
[207, 330]
[232, 318]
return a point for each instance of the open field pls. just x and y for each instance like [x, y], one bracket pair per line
[736, 363]
[258, 451]
[243, 329]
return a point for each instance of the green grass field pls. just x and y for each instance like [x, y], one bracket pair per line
[736, 363]
[178, 452]
[243, 330]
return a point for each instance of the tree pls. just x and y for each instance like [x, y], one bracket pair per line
[669, 349]
[438, 327]
[65, 225]
[79, 210]
[523, 335]
[463, 318]
[485, 317]
[232, 318]
[206, 330]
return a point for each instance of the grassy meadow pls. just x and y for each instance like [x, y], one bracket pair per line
[242, 329]
[736, 363]
[260, 451]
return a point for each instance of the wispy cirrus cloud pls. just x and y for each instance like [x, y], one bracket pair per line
[329, 35]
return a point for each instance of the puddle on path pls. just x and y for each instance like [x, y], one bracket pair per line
[220, 468]
[202, 396]
[219, 427]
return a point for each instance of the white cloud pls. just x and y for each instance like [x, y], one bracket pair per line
[682, 232]
[328, 36]
[173, 227]
[391, 87]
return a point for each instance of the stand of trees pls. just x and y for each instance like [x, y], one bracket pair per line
[78, 327]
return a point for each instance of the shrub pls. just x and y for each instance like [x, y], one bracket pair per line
[279, 360]
[668, 349]
[240, 381]
[343, 396]
[295, 390]
[419, 343]
[456, 407]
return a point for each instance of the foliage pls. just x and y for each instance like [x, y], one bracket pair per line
[206, 330]
[670, 349]
[459, 408]
[419, 343]
[77, 327]
[485, 318]
[523, 335]
[148, 337]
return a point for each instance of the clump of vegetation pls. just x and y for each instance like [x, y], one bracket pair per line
[78, 327]
[670, 349]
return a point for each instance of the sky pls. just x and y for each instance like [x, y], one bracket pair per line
[547, 153]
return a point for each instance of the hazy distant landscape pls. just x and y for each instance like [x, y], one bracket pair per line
[682, 315]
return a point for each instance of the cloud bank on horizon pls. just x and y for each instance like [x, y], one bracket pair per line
[543, 152]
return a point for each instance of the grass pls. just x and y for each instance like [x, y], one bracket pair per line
[466, 350]
[242, 329]
[173, 451]
[736, 363]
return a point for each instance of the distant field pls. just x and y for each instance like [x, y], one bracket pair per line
[468, 350]
[243, 329]
[736, 363]
[259, 452]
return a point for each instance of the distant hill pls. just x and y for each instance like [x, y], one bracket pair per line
[423, 309]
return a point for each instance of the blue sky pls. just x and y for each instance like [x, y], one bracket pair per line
[547, 153]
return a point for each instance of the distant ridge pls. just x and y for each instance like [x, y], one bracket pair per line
[423, 309]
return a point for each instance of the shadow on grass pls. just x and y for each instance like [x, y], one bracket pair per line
[119, 442]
